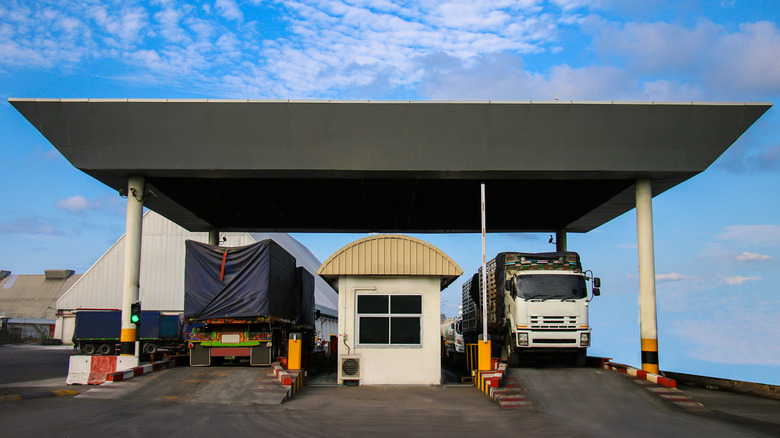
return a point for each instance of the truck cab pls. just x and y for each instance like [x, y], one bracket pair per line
[546, 312]
[537, 306]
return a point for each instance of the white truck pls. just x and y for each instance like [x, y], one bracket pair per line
[452, 337]
[537, 306]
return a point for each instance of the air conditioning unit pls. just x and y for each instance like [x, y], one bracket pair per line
[349, 367]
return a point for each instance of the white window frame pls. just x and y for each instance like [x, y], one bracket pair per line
[389, 315]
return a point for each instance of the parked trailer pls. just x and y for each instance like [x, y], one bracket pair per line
[97, 332]
[537, 306]
[248, 300]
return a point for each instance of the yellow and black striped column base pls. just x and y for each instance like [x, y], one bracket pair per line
[127, 342]
[650, 355]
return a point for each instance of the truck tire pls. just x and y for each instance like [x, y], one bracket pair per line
[104, 350]
[88, 349]
[514, 359]
[508, 354]
[580, 358]
[150, 348]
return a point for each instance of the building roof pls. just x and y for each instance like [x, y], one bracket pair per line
[244, 165]
[390, 255]
[34, 296]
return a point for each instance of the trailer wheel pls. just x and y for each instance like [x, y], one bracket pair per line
[150, 348]
[104, 349]
[88, 349]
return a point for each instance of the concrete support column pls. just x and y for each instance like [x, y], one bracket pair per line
[647, 312]
[132, 274]
[214, 236]
[560, 240]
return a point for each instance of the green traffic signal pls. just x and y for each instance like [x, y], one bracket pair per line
[135, 313]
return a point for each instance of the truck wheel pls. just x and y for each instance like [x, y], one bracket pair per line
[104, 350]
[150, 348]
[514, 359]
[580, 358]
[88, 349]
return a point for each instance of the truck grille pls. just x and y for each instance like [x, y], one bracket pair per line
[553, 322]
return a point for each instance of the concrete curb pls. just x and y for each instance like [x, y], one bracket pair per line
[660, 386]
[631, 371]
[139, 371]
[489, 382]
[39, 394]
[292, 379]
[671, 395]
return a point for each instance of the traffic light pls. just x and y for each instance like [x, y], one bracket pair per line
[135, 312]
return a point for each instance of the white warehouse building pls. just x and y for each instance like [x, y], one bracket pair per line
[162, 275]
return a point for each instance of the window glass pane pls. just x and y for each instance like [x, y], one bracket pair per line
[372, 304]
[405, 330]
[374, 330]
[406, 304]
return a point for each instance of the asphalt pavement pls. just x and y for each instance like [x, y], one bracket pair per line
[570, 402]
[30, 368]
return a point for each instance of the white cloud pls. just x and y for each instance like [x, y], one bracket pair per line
[765, 235]
[502, 77]
[454, 49]
[746, 61]
[30, 226]
[80, 205]
[673, 276]
[752, 257]
[125, 24]
[738, 280]
[229, 9]
[75, 204]
[746, 339]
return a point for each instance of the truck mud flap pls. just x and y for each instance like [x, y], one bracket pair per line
[260, 356]
[200, 356]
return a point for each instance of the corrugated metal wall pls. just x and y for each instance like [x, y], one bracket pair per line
[162, 269]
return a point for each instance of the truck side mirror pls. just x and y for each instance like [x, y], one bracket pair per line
[596, 292]
[596, 282]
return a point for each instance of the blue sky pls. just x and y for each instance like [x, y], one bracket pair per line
[717, 236]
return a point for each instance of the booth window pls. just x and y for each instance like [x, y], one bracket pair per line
[389, 319]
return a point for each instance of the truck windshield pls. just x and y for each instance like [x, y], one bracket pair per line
[550, 286]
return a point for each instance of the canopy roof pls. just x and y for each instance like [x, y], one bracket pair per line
[243, 165]
[390, 255]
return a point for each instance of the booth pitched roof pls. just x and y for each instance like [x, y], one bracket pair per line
[390, 255]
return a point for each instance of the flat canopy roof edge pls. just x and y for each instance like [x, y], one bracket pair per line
[400, 102]
[389, 166]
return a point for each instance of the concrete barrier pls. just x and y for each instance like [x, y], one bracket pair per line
[94, 370]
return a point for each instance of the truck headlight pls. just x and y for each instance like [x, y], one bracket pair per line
[522, 339]
[585, 339]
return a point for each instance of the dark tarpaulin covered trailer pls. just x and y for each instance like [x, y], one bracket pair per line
[304, 297]
[239, 282]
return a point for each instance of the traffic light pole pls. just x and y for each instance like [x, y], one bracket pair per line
[132, 266]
